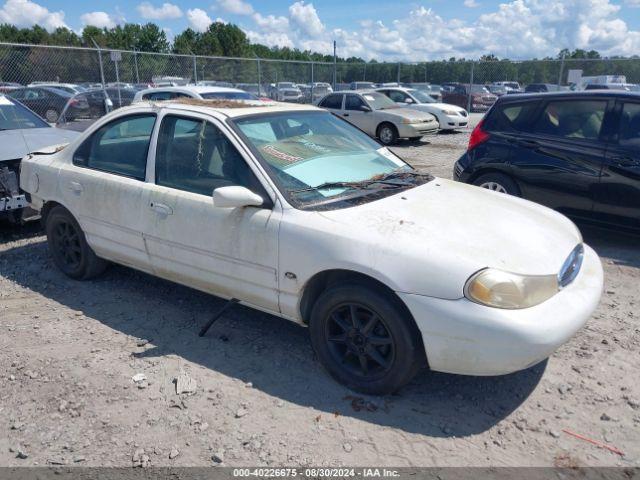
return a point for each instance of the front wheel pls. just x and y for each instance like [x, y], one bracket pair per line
[366, 339]
[387, 134]
[69, 248]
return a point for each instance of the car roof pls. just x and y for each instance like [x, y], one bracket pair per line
[228, 108]
[192, 88]
[570, 95]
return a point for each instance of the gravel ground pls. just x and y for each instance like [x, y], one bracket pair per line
[254, 393]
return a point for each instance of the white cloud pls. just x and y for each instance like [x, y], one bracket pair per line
[24, 13]
[305, 18]
[271, 23]
[165, 12]
[198, 19]
[471, 4]
[235, 7]
[98, 19]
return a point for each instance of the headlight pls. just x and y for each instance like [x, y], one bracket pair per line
[449, 112]
[499, 289]
[414, 120]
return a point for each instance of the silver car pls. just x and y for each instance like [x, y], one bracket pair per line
[21, 132]
[378, 116]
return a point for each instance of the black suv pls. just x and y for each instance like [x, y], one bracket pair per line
[576, 152]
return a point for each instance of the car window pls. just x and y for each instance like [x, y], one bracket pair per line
[195, 156]
[332, 101]
[163, 95]
[353, 102]
[511, 117]
[118, 147]
[579, 119]
[397, 96]
[229, 95]
[14, 116]
[630, 126]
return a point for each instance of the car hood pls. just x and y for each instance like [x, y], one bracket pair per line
[428, 107]
[18, 143]
[448, 231]
[404, 112]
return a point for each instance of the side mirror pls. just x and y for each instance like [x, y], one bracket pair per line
[408, 100]
[108, 105]
[236, 197]
[365, 108]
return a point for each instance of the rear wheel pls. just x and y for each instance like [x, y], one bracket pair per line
[498, 182]
[365, 339]
[69, 248]
[387, 134]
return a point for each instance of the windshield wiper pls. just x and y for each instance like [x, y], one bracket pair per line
[362, 185]
[402, 174]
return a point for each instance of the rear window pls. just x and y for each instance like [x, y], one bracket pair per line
[511, 117]
[332, 101]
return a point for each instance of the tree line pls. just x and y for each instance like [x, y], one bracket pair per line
[228, 40]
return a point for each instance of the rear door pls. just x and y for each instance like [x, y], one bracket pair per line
[558, 159]
[104, 187]
[618, 195]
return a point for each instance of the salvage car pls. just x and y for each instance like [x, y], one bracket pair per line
[290, 210]
[477, 97]
[377, 115]
[21, 132]
[576, 152]
[450, 117]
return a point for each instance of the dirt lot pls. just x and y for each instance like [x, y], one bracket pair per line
[69, 351]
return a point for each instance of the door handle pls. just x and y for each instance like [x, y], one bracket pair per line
[75, 187]
[161, 208]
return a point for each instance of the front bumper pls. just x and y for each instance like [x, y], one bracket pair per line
[466, 338]
[409, 130]
[453, 122]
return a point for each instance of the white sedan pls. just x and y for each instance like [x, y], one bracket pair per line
[450, 117]
[292, 211]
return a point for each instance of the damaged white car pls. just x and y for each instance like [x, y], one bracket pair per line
[293, 211]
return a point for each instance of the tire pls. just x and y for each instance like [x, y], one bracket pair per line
[387, 133]
[389, 363]
[69, 248]
[498, 182]
[51, 115]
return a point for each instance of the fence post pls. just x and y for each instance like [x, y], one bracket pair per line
[364, 75]
[100, 61]
[561, 71]
[470, 87]
[195, 70]
[259, 76]
[135, 61]
[398, 79]
[311, 81]
[335, 66]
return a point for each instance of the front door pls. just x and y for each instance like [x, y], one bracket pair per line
[354, 112]
[618, 195]
[225, 251]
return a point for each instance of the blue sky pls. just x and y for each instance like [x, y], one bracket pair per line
[406, 30]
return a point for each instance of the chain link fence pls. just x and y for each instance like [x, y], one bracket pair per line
[113, 77]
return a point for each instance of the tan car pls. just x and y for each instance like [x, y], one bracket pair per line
[380, 117]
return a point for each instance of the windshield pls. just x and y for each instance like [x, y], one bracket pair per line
[378, 101]
[14, 116]
[317, 159]
[421, 96]
[229, 95]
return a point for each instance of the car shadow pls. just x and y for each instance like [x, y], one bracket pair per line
[273, 354]
[620, 247]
